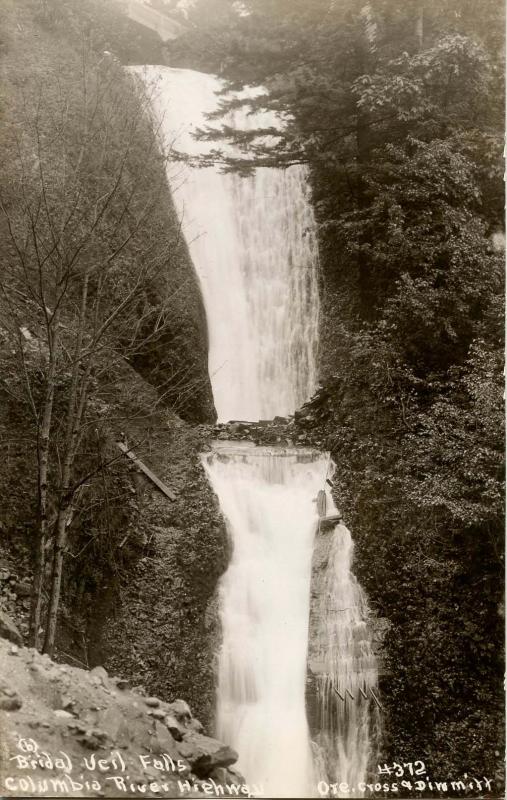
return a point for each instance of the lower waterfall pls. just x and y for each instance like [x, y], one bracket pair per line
[268, 496]
[268, 499]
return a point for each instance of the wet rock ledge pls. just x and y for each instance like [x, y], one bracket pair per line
[90, 735]
[291, 431]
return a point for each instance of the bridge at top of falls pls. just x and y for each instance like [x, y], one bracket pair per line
[166, 27]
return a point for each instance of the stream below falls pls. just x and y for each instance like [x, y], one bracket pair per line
[253, 244]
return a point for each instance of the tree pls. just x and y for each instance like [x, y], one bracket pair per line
[82, 286]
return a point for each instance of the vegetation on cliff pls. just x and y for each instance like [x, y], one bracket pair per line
[102, 329]
[396, 108]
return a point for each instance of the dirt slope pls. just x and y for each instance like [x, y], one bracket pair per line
[70, 732]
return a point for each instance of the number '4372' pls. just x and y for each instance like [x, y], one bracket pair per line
[398, 770]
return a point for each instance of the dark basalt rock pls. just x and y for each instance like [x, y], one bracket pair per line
[206, 754]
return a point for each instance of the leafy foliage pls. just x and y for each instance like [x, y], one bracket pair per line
[396, 108]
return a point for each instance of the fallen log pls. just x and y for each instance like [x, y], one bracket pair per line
[149, 474]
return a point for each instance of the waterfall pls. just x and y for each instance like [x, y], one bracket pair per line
[266, 496]
[348, 715]
[253, 243]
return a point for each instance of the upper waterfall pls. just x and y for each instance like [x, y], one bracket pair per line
[253, 243]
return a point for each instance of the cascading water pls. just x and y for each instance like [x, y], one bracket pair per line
[266, 496]
[348, 712]
[253, 244]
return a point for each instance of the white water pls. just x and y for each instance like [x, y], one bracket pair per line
[347, 683]
[253, 244]
[252, 241]
[266, 497]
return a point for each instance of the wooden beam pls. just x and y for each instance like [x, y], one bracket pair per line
[343, 697]
[149, 474]
[376, 699]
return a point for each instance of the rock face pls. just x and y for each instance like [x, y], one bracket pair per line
[183, 345]
[81, 726]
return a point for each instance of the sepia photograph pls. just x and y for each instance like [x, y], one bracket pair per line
[252, 424]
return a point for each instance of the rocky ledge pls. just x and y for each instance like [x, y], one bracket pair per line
[281, 431]
[69, 732]
[301, 429]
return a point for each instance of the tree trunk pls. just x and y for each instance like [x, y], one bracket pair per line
[64, 518]
[37, 586]
[56, 577]
[43, 446]
[75, 409]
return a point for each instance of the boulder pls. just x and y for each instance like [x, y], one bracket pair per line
[8, 629]
[195, 725]
[234, 776]
[62, 714]
[100, 673]
[10, 703]
[163, 742]
[205, 754]
[180, 710]
[220, 775]
[152, 702]
[157, 713]
[227, 777]
[93, 739]
[176, 729]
